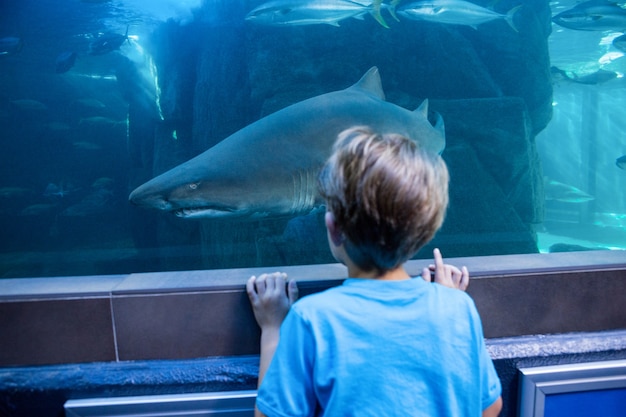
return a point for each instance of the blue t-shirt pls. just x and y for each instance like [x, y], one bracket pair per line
[381, 348]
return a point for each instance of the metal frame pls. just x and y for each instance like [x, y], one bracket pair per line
[213, 404]
[539, 382]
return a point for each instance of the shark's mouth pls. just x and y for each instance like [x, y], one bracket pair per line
[199, 212]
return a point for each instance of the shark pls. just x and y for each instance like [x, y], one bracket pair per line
[270, 167]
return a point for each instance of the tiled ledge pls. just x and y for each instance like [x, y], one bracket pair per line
[195, 314]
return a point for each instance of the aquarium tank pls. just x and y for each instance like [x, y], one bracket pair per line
[165, 135]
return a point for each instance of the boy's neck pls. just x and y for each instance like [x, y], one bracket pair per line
[393, 275]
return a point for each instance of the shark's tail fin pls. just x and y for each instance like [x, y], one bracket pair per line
[392, 9]
[510, 15]
[375, 12]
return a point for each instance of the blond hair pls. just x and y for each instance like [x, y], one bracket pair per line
[388, 196]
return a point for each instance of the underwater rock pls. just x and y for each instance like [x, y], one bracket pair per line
[481, 219]
[499, 131]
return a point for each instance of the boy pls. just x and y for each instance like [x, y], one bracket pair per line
[381, 344]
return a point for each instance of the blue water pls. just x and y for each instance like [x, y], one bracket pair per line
[73, 146]
[585, 137]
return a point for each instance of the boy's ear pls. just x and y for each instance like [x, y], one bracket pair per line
[335, 233]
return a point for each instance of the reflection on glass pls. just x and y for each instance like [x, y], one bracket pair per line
[97, 98]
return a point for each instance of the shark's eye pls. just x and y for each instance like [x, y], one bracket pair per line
[194, 185]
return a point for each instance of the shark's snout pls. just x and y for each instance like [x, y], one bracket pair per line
[140, 198]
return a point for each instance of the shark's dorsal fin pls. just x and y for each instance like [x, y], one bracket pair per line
[423, 108]
[371, 84]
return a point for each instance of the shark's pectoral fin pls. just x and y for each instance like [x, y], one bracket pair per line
[370, 83]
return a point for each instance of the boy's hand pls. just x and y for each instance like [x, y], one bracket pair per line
[271, 298]
[448, 275]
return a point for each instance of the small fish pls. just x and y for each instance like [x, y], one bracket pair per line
[59, 190]
[558, 191]
[570, 247]
[620, 43]
[88, 104]
[10, 45]
[557, 74]
[58, 127]
[599, 15]
[621, 162]
[455, 12]
[599, 77]
[103, 182]
[97, 202]
[27, 104]
[64, 62]
[107, 42]
[38, 209]
[86, 146]
[306, 12]
[14, 192]
[99, 122]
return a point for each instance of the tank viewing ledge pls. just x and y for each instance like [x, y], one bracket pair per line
[194, 331]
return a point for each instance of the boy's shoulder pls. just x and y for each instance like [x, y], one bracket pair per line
[362, 289]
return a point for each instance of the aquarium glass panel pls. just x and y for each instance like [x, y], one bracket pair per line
[159, 135]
